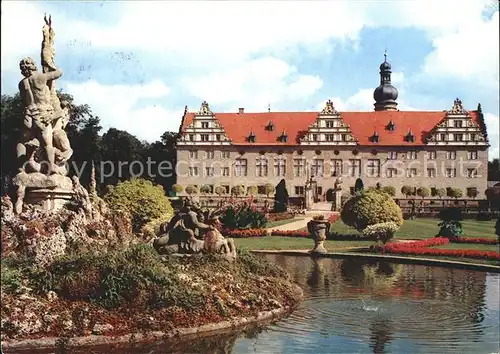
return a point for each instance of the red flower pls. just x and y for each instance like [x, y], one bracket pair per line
[476, 240]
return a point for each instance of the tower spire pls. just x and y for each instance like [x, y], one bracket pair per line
[385, 95]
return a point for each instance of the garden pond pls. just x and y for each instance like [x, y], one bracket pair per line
[360, 306]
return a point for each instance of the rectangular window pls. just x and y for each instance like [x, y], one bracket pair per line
[225, 171]
[471, 173]
[392, 172]
[459, 137]
[336, 168]
[240, 167]
[355, 168]
[442, 137]
[330, 137]
[204, 125]
[224, 154]
[217, 137]
[412, 155]
[280, 167]
[261, 166]
[319, 190]
[431, 155]
[344, 137]
[458, 123]
[299, 167]
[411, 172]
[472, 155]
[329, 123]
[473, 137]
[317, 168]
[472, 192]
[451, 155]
[191, 137]
[204, 137]
[373, 168]
[450, 172]
[315, 137]
[209, 171]
[193, 171]
[392, 155]
[431, 172]
[193, 154]
[299, 190]
[210, 154]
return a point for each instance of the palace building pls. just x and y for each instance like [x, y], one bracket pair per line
[441, 149]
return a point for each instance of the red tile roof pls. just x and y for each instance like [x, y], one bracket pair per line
[362, 124]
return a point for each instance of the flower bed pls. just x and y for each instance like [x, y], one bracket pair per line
[244, 233]
[475, 240]
[423, 248]
[280, 216]
[290, 233]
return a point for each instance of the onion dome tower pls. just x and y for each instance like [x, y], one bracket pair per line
[385, 95]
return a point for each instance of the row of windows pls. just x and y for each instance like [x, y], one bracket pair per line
[317, 169]
[391, 155]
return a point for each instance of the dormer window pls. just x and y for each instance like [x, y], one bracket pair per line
[458, 123]
[391, 126]
[251, 137]
[374, 138]
[283, 137]
[410, 138]
[270, 126]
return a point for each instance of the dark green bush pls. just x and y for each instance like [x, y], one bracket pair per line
[358, 185]
[281, 197]
[244, 217]
[450, 225]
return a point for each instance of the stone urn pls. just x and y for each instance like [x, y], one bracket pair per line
[319, 229]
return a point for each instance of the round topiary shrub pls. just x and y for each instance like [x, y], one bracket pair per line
[370, 208]
[145, 201]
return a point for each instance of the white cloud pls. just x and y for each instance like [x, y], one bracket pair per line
[254, 84]
[493, 128]
[116, 105]
[471, 52]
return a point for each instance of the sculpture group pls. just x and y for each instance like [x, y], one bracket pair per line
[44, 147]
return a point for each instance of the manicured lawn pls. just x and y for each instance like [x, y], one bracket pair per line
[272, 224]
[426, 228]
[470, 246]
[292, 243]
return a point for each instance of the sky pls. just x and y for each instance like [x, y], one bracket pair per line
[139, 63]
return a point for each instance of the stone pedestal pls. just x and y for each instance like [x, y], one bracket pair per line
[309, 198]
[43, 191]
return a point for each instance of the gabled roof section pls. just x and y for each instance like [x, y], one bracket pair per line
[362, 125]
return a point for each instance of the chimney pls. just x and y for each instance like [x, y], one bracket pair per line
[241, 110]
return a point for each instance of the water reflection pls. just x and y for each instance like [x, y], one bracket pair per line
[356, 306]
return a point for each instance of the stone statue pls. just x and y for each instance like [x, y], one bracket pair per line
[180, 234]
[44, 147]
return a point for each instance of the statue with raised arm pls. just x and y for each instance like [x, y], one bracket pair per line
[44, 147]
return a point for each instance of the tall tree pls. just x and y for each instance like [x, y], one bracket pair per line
[494, 170]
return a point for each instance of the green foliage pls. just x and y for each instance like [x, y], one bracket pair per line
[472, 192]
[268, 189]
[408, 190]
[455, 193]
[220, 190]
[493, 193]
[177, 188]
[450, 226]
[11, 280]
[281, 197]
[205, 189]
[441, 192]
[358, 185]
[497, 227]
[252, 190]
[237, 190]
[260, 266]
[142, 199]
[382, 232]
[370, 208]
[190, 189]
[389, 190]
[243, 217]
[423, 192]
[136, 276]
